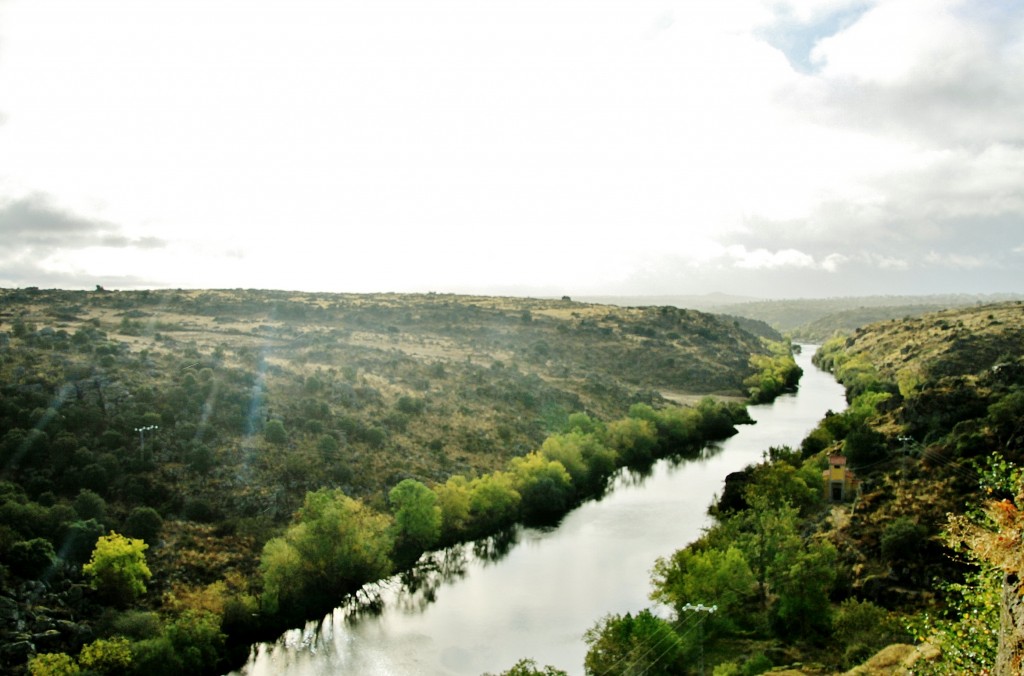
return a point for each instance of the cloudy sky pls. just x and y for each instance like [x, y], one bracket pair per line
[773, 148]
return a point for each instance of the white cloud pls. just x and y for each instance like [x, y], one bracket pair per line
[833, 262]
[442, 144]
[886, 262]
[956, 261]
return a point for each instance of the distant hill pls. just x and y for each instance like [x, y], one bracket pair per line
[816, 320]
[705, 302]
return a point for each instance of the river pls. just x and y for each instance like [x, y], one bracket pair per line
[477, 609]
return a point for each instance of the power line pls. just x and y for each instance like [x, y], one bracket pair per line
[701, 608]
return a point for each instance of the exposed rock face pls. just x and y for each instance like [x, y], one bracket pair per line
[1010, 657]
[38, 617]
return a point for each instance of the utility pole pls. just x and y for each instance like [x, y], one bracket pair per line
[142, 439]
[701, 608]
[905, 450]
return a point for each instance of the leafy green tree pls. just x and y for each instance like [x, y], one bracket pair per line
[155, 657]
[417, 516]
[583, 423]
[117, 568]
[716, 420]
[803, 584]
[767, 535]
[544, 485]
[717, 576]
[634, 439]
[89, 505]
[493, 502]
[782, 483]
[679, 428]
[587, 460]
[337, 545]
[631, 646]
[197, 640]
[453, 498]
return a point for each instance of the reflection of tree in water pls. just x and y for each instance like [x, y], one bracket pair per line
[634, 477]
[413, 590]
[496, 547]
[367, 601]
[419, 585]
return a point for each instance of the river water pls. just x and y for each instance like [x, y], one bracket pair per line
[476, 609]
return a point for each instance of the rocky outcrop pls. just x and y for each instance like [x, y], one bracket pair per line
[1010, 656]
[41, 617]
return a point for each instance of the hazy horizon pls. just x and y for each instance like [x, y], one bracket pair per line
[764, 148]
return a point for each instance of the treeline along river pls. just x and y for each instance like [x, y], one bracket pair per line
[481, 607]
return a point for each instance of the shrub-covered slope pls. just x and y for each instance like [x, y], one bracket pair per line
[197, 423]
[927, 552]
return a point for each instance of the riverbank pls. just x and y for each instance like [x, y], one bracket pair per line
[543, 594]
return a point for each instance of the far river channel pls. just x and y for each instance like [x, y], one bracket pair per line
[479, 609]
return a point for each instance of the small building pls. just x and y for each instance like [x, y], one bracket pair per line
[840, 482]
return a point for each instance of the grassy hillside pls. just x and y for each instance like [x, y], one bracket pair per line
[916, 567]
[200, 421]
[472, 380]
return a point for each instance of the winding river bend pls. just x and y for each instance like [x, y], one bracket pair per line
[476, 609]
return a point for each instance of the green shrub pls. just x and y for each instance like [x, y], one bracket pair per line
[31, 558]
[902, 540]
[144, 523]
[53, 664]
[106, 655]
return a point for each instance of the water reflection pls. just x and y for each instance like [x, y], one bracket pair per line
[419, 586]
[496, 547]
[461, 612]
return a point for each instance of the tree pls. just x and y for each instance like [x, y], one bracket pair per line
[274, 432]
[117, 568]
[768, 538]
[337, 545]
[79, 541]
[544, 485]
[634, 439]
[528, 667]
[417, 516]
[803, 585]
[712, 575]
[493, 502]
[144, 523]
[31, 558]
[588, 461]
[453, 498]
[89, 505]
[197, 640]
[627, 645]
